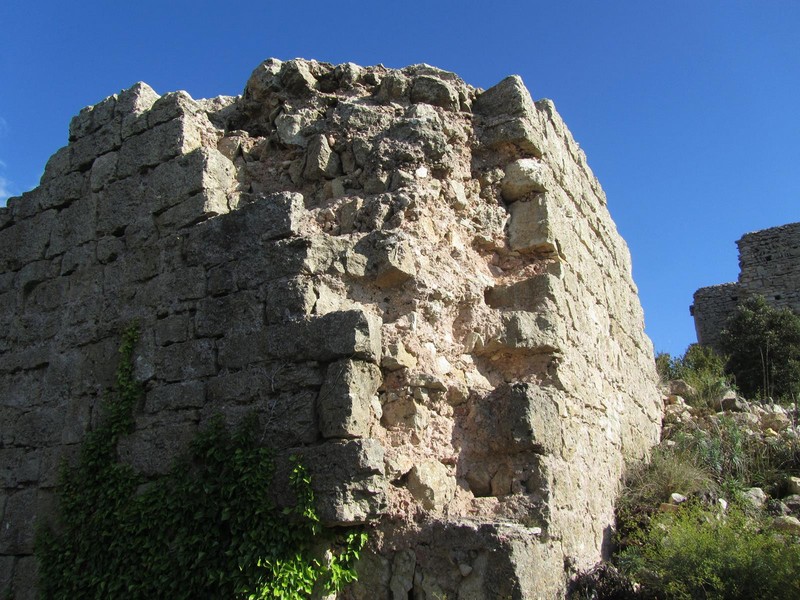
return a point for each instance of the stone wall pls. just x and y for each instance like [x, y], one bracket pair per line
[415, 285]
[769, 265]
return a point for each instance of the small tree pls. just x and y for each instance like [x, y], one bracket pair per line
[763, 348]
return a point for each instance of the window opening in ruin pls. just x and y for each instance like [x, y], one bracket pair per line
[778, 297]
[769, 258]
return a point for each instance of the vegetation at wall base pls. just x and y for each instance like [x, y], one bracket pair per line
[701, 553]
[762, 344]
[701, 368]
[206, 530]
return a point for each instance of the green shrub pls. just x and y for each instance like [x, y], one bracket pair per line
[648, 485]
[763, 345]
[702, 554]
[701, 368]
[206, 530]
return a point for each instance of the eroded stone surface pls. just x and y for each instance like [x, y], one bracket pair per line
[414, 284]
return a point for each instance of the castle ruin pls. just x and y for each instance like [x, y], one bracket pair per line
[415, 284]
[769, 266]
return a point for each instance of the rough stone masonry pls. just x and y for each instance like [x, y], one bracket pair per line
[769, 266]
[414, 283]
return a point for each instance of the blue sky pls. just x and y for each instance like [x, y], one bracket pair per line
[689, 111]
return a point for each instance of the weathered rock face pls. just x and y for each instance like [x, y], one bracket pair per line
[415, 284]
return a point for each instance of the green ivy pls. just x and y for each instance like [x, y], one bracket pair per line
[208, 529]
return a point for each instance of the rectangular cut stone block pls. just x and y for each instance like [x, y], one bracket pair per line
[238, 312]
[527, 295]
[509, 116]
[187, 360]
[153, 450]
[350, 333]
[158, 145]
[247, 232]
[289, 299]
[84, 151]
[345, 399]
[519, 417]
[530, 228]
[19, 522]
[531, 333]
[347, 478]
[176, 396]
[26, 241]
[179, 179]
[26, 573]
[193, 210]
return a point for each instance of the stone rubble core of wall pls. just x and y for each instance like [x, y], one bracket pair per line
[416, 284]
[769, 266]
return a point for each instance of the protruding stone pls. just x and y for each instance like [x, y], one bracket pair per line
[431, 483]
[522, 177]
[345, 399]
[321, 161]
[432, 90]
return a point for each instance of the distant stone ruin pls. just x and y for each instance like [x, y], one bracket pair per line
[769, 266]
[415, 284]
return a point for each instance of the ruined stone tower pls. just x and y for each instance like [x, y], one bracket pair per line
[414, 283]
[769, 266]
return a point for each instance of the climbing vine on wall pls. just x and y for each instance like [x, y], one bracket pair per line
[206, 530]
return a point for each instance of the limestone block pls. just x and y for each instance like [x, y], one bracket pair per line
[58, 193]
[519, 417]
[18, 467]
[434, 91]
[26, 241]
[392, 261]
[103, 171]
[19, 522]
[186, 176]
[522, 177]
[348, 333]
[394, 87]
[297, 78]
[431, 484]
[238, 312]
[39, 427]
[171, 106]
[321, 161]
[347, 478]
[132, 106]
[153, 449]
[84, 151]
[345, 399]
[395, 357]
[530, 228]
[158, 145]
[186, 360]
[75, 225]
[25, 578]
[57, 165]
[244, 232]
[510, 116]
[533, 333]
[92, 118]
[526, 295]
[289, 299]
[175, 396]
[238, 349]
